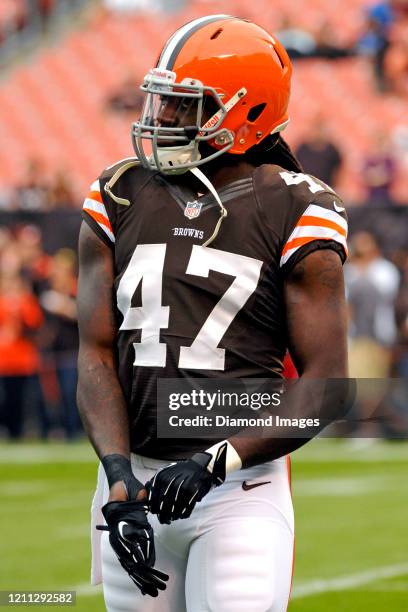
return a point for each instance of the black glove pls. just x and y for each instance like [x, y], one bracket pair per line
[175, 489]
[131, 537]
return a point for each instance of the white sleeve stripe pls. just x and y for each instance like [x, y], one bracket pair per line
[318, 211]
[340, 239]
[96, 206]
[95, 186]
[103, 227]
[314, 231]
[287, 256]
[107, 232]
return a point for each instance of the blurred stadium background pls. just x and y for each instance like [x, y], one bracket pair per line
[70, 71]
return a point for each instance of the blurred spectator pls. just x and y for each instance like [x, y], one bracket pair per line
[401, 356]
[32, 193]
[20, 317]
[35, 194]
[60, 334]
[297, 41]
[379, 172]
[5, 239]
[60, 194]
[44, 8]
[372, 284]
[375, 40]
[13, 17]
[326, 44]
[128, 97]
[400, 140]
[38, 334]
[396, 64]
[34, 263]
[26, 21]
[6, 197]
[319, 155]
[300, 43]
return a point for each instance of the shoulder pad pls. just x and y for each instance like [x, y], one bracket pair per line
[112, 174]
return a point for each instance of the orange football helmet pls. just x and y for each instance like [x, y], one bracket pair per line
[219, 79]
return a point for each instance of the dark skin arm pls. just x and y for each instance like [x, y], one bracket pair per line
[317, 329]
[316, 312]
[100, 398]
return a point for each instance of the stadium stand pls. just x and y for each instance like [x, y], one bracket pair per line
[55, 105]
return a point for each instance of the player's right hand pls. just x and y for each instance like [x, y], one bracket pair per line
[132, 540]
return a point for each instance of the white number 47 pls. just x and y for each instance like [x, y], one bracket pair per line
[146, 267]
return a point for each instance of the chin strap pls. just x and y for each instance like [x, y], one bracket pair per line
[223, 211]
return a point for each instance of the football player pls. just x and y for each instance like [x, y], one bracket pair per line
[208, 255]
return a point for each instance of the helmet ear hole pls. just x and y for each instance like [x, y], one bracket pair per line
[255, 112]
[216, 34]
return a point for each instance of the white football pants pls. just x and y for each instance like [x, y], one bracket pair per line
[234, 553]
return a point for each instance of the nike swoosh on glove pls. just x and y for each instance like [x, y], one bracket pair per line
[132, 540]
[176, 488]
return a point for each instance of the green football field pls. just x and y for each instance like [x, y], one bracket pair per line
[351, 508]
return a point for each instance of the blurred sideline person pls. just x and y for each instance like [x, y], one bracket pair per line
[319, 155]
[212, 274]
[23, 269]
[20, 318]
[379, 172]
[372, 284]
[60, 335]
[32, 193]
[401, 316]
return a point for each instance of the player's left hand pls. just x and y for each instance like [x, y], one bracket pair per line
[175, 489]
[132, 539]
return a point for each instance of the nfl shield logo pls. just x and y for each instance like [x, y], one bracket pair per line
[192, 209]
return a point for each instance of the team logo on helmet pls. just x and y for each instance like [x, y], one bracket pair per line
[192, 209]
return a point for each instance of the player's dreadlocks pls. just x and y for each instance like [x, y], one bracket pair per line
[274, 150]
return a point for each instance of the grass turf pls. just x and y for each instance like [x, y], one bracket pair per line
[350, 508]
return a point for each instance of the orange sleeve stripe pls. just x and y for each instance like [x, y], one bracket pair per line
[99, 218]
[298, 242]
[95, 195]
[309, 220]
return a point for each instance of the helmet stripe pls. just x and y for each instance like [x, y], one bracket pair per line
[175, 43]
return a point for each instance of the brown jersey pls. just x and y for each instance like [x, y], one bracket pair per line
[185, 310]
